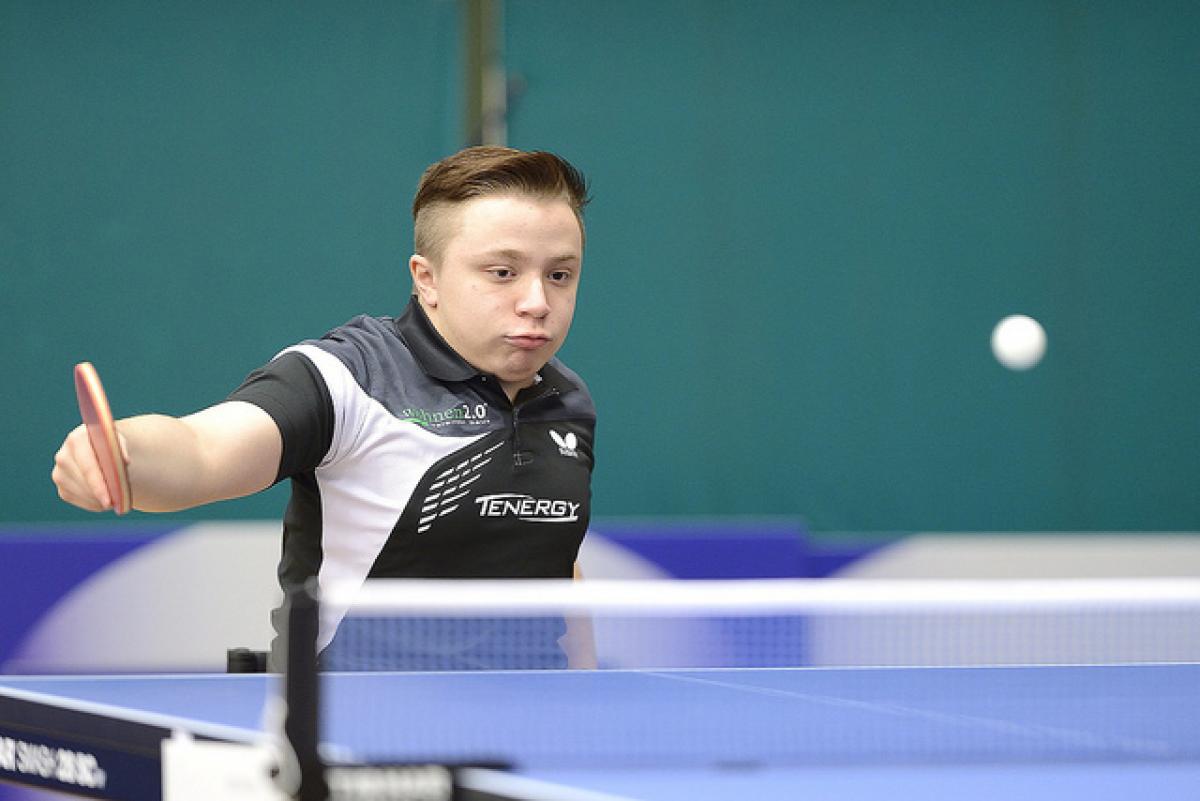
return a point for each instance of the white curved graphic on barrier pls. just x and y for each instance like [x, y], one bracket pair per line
[175, 604]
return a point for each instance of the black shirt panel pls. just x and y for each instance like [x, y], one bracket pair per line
[291, 391]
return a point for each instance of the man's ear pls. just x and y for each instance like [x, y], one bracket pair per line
[424, 280]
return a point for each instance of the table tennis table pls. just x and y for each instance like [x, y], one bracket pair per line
[1095, 732]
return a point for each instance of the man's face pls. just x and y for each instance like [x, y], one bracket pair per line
[503, 292]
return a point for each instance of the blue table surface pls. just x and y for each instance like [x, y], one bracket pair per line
[697, 734]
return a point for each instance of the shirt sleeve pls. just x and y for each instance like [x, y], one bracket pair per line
[290, 389]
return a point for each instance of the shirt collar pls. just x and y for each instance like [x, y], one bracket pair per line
[434, 354]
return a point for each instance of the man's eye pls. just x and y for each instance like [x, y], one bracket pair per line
[502, 272]
[560, 276]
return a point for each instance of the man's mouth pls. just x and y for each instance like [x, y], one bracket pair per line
[527, 341]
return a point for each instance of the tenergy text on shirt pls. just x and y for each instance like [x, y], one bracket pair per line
[528, 508]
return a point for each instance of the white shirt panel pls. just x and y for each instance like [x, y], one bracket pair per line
[373, 466]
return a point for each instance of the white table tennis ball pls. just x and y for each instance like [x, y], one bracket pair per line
[1019, 342]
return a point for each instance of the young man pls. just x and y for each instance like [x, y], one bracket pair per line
[446, 443]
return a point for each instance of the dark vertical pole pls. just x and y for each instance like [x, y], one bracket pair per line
[302, 691]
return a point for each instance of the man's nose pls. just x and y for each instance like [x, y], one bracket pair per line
[532, 301]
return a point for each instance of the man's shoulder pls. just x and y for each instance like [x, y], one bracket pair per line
[364, 335]
[568, 375]
[579, 398]
[365, 330]
[369, 347]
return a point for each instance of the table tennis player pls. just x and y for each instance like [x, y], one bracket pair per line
[448, 442]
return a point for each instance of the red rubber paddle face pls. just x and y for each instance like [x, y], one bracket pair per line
[102, 431]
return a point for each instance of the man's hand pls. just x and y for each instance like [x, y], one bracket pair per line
[77, 472]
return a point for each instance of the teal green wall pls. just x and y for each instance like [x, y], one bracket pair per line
[189, 187]
[807, 218]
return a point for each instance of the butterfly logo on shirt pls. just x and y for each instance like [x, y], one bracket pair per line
[567, 443]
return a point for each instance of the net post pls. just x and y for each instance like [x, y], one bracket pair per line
[302, 690]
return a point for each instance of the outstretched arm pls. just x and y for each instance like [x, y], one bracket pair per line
[226, 451]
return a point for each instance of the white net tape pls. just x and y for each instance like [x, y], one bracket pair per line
[768, 623]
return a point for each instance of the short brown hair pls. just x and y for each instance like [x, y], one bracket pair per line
[481, 171]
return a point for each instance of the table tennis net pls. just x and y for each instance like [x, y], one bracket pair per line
[530, 625]
[657, 632]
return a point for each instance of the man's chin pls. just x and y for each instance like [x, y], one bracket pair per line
[519, 379]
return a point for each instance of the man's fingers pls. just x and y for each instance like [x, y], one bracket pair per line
[77, 473]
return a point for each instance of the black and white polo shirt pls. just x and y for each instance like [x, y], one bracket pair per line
[407, 462]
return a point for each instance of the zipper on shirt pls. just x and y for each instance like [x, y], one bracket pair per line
[520, 459]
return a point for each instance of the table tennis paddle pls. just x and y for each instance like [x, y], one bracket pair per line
[102, 431]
